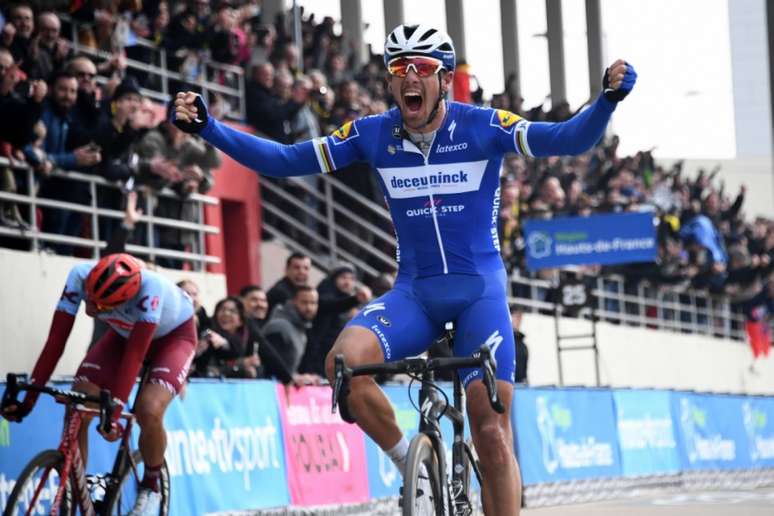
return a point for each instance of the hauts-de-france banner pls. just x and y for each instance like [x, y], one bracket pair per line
[598, 239]
[711, 431]
[566, 434]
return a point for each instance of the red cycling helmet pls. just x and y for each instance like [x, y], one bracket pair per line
[115, 279]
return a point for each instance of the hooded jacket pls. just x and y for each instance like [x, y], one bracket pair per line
[286, 331]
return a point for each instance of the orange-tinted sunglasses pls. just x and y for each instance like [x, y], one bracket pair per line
[423, 66]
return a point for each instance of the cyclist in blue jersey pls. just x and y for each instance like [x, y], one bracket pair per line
[151, 319]
[438, 164]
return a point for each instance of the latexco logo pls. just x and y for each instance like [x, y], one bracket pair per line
[451, 148]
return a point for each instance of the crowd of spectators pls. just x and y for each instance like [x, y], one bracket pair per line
[54, 114]
[62, 112]
[284, 333]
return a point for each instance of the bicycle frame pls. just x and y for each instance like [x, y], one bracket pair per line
[432, 408]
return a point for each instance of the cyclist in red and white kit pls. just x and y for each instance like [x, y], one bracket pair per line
[150, 319]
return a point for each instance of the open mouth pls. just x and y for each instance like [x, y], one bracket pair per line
[412, 101]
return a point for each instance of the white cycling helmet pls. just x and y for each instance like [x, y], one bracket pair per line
[423, 40]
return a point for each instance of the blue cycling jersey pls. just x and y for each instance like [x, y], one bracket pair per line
[159, 301]
[445, 205]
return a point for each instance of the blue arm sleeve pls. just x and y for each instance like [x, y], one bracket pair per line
[574, 136]
[261, 155]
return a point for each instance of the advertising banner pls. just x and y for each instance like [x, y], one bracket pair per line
[758, 421]
[325, 456]
[224, 448]
[711, 431]
[566, 434]
[646, 435]
[598, 239]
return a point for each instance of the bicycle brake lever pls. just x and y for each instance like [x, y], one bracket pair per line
[106, 409]
[337, 382]
[11, 390]
[489, 365]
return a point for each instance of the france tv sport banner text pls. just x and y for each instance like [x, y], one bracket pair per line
[599, 239]
[565, 434]
[646, 434]
[325, 456]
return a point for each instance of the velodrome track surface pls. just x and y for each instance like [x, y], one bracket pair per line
[758, 502]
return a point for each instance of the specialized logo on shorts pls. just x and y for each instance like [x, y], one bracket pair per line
[344, 133]
[494, 341]
[408, 182]
[373, 307]
[382, 319]
[451, 129]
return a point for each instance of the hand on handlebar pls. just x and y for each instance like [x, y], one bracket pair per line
[115, 432]
[16, 412]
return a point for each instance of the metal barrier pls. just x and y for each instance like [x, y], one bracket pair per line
[642, 305]
[330, 222]
[32, 201]
[234, 95]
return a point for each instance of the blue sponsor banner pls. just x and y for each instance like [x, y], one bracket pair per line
[225, 449]
[757, 415]
[599, 239]
[711, 432]
[566, 434]
[646, 435]
[383, 477]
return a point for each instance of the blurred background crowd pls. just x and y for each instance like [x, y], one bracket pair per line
[65, 111]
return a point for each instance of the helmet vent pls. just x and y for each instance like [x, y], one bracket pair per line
[428, 34]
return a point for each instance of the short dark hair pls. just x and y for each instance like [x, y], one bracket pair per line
[249, 289]
[295, 256]
[62, 73]
[304, 288]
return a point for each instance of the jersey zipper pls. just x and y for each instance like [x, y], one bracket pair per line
[432, 200]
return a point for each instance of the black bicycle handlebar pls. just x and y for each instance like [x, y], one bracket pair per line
[16, 383]
[482, 358]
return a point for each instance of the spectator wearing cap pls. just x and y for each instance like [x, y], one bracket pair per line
[60, 146]
[339, 297]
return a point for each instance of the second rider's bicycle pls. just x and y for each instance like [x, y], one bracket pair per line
[55, 482]
[428, 489]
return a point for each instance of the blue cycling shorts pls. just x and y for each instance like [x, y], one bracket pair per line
[407, 319]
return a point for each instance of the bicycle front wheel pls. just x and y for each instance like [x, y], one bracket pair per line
[422, 488]
[45, 468]
[123, 496]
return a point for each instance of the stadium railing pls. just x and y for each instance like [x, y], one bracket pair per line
[29, 203]
[233, 95]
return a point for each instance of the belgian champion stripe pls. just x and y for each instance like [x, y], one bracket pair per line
[323, 155]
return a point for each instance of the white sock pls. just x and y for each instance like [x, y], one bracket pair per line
[398, 454]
